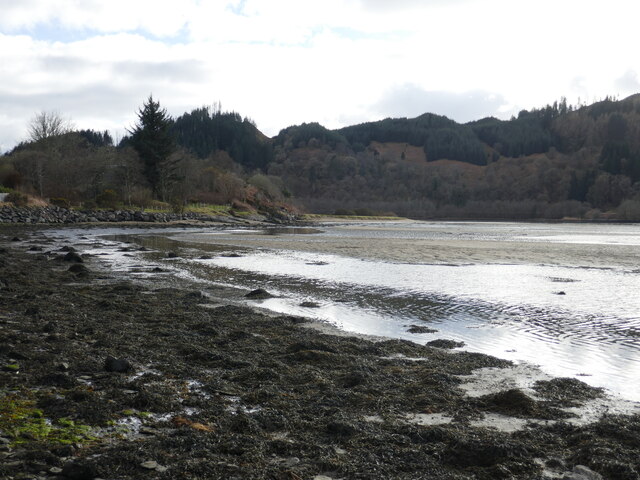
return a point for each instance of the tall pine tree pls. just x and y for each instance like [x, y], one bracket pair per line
[153, 141]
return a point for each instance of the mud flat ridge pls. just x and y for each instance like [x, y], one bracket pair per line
[105, 377]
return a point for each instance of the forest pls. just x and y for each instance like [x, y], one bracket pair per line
[559, 161]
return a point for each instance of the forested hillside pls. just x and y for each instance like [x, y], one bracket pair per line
[554, 162]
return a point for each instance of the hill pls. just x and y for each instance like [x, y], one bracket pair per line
[554, 162]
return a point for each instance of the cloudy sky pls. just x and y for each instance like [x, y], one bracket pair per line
[284, 62]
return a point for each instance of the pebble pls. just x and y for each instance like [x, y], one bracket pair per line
[150, 465]
[580, 472]
[291, 462]
[55, 470]
[118, 365]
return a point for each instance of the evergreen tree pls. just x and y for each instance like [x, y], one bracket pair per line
[153, 141]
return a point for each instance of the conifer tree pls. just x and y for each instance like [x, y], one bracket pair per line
[153, 141]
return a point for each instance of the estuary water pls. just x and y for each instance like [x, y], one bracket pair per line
[561, 296]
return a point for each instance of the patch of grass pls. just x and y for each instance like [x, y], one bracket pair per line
[22, 422]
[136, 413]
[208, 209]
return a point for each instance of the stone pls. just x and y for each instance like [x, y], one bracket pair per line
[310, 305]
[580, 472]
[291, 462]
[78, 269]
[443, 343]
[118, 365]
[150, 465]
[420, 329]
[73, 257]
[258, 293]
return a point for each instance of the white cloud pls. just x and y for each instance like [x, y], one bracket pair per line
[628, 83]
[284, 61]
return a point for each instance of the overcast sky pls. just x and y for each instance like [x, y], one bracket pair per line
[284, 62]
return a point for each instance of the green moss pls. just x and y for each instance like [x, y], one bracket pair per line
[22, 422]
[12, 367]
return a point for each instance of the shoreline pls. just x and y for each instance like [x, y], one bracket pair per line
[220, 391]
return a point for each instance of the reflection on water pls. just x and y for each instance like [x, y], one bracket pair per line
[571, 320]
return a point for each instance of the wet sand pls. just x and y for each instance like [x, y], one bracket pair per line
[198, 388]
[436, 250]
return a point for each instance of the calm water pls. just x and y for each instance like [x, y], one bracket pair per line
[562, 296]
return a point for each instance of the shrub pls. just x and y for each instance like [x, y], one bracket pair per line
[89, 205]
[107, 199]
[5, 189]
[344, 212]
[141, 197]
[17, 198]
[177, 206]
[365, 212]
[60, 202]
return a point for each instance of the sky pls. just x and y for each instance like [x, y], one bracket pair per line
[285, 62]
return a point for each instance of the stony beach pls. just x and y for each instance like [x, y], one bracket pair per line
[106, 376]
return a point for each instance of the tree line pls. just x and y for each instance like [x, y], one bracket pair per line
[555, 161]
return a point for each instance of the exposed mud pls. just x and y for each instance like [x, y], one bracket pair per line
[175, 385]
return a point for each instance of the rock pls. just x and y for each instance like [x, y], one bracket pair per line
[153, 465]
[118, 365]
[259, 293]
[420, 329]
[149, 465]
[78, 269]
[559, 293]
[55, 470]
[73, 257]
[580, 472]
[322, 477]
[310, 305]
[79, 470]
[15, 239]
[157, 270]
[340, 429]
[291, 462]
[67, 248]
[232, 255]
[511, 402]
[443, 343]
[172, 255]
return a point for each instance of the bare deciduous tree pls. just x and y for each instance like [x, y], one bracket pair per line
[48, 124]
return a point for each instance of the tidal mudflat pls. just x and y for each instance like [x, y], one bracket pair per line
[119, 363]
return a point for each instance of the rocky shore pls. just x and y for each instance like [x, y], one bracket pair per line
[56, 215]
[102, 376]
